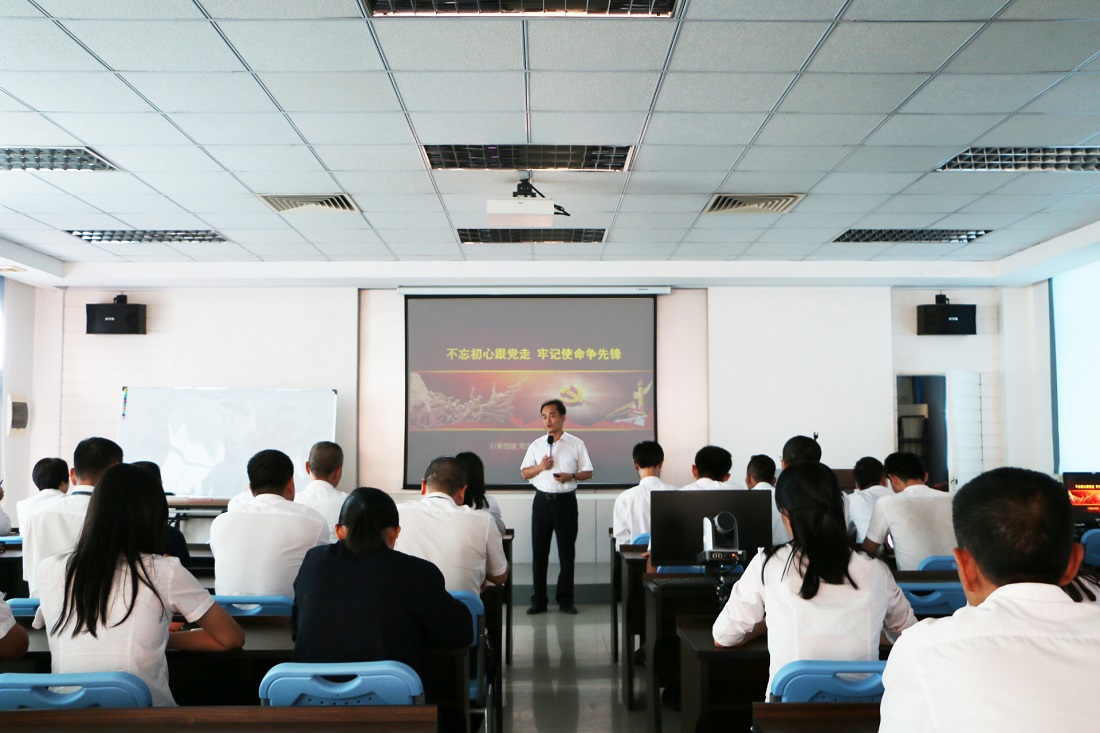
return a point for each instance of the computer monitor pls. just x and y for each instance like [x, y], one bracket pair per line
[677, 521]
[1084, 495]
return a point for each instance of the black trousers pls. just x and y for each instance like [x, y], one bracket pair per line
[552, 513]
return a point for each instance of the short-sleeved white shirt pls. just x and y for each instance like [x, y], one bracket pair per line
[258, 547]
[570, 456]
[53, 529]
[462, 542]
[706, 484]
[326, 499]
[632, 513]
[840, 622]
[919, 520]
[7, 621]
[861, 503]
[35, 502]
[137, 644]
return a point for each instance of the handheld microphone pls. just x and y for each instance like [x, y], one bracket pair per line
[550, 442]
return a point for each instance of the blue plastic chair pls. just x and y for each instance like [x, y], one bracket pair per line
[934, 599]
[482, 696]
[819, 681]
[642, 538]
[94, 690]
[256, 605]
[294, 684]
[11, 539]
[694, 569]
[23, 607]
[938, 562]
[1091, 541]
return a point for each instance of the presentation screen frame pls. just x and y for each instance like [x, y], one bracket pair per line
[411, 482]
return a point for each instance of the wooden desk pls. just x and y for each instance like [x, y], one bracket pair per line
[398, 719]
[719, 686]
[815, 717]
[632, 598]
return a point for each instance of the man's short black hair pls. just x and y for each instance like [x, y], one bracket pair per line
[649, 454]
[1018, 525]
[269, 471]
[446, 474]
[801, 449]
[325, 459]
[556, 403]
[905, 466]
[868, 471]
[713, 462]
[762, 469]
[50, 473]
[93, 456]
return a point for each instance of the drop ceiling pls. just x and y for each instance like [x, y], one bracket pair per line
[206, 105]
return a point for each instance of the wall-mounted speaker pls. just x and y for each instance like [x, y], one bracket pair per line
[118, 317]
[946, 320]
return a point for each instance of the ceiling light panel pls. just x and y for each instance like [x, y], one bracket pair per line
[926, 236]
[1083, 159]
[147, 235]
[52, 159]
[636, 8]
[516, 236]
[528, 157]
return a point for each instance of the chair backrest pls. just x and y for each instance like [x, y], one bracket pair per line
[934, 599]
[820, 681]
[696, 569]
[256, 605]
[479, 684]
[23, 607]
[350, 683]
[938, 562]
[642, 538]
[80, 690]
[1091, 541]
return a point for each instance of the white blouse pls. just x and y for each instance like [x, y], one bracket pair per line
[137, 644]
[840, 622]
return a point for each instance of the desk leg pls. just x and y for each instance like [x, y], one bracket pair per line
[508, 620]
[616, 590]
[695, 689]
[653, 658]
[625, 643]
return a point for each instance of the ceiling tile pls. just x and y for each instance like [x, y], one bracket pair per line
[815, 220]
[475, 44]
[593, 128]
[267, 220]
[304, 45]
[897, 221]
[960, 182]
[353, 128]
[436, 128]
[850, 93]
[908, 10]
[1029, 183]
[1028, 47]
[591, 91]
[848, 250]
[1007, 203]
[186, 182]
[709, 250]
[27, 183]
[1079, 93]
[685, 128]
[32, 130]
[1033, 130]
[668, 203]
[347, 91]
[461, 92]
[336, 240]
[411, 203]
[679, 222]
[202, 92]
[266, 157]
[290, 182]
[771, 182]
[907, 203]
[511, 251]
[729, 223]
[156, 45]
[120, 129]
[37, 205]
[202, 202]
[325, 224]
[122, 9]
[791, 158]
[499, 183]
[158, 158]
[386, 182]
[726, 236]
[419, 221]
[261, 236]
[62, 220]
[966, 220]
[11, 221]
[814, 129]
[672, 183]
[440, 246]
[729, 92]
[18, 9]
[39, 45]
[902, 158]
[215, 251]
[978, 93]
[918, 250]
[772, 10]
[815, 236]
[73, 91]
[958, 130]
[839, 203]
[1051, 10]
[865, 182]
[618, 247]
[606, 45]
[84, 182]
[740, 47]
[290, 9]
[146, 251]
[686, 157]
[162, 221]
[891, 47]
[237, 128]
[780, 249]
[361, 158]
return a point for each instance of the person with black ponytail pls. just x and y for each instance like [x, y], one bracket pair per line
[823, 599]
[107, 605]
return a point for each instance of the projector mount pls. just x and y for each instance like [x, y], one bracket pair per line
[525, 189]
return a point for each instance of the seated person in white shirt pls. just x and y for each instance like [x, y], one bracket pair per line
[51, 476]
[13, 637]
[463, 543]
[711, 468]
[631, 514]
[258, 547]
[325, 467]
[55, 527]
[5, 520]
[1022, 656]
[870, 479]
[476, 498]
[916, 516]
[760, 474]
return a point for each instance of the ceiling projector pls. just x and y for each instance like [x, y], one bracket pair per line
[527, 208]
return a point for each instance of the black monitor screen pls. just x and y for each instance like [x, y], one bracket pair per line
[677, 523]
[1084, 495]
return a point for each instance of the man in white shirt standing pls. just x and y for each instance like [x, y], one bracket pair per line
[258, 546]
[711, 468]
[554, 464]
[631, 515]
[462, 542]
[55, 527]
[870, 479]
[760, 475]
[51, 476]
[1022, 655]
[325, 466]
[917, 517]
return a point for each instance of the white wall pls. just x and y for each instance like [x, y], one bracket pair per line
[1025, 360]
[1076, 302]
[789, 361]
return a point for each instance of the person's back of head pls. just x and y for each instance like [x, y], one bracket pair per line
[906, 467]
[648, 454]
[152, 468]
[868, 472]
[369, 521]
[50, 473]
[475, 479]
[125, 520]
[92, 457]
[270, 472]
[809, 496]
[1017, 525]
[761, 469]
[325, 460]
[713, 462]
[446, 474]
[801, 449]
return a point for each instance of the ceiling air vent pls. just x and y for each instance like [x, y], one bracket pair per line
[930, 236]
[734, 203]
[100, 236]
[528, 157]
[323, 202]
[638, 8]
[1084, 159]
[53, 159]
[517, 236]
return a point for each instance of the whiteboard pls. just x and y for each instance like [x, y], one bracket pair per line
[202, 438]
